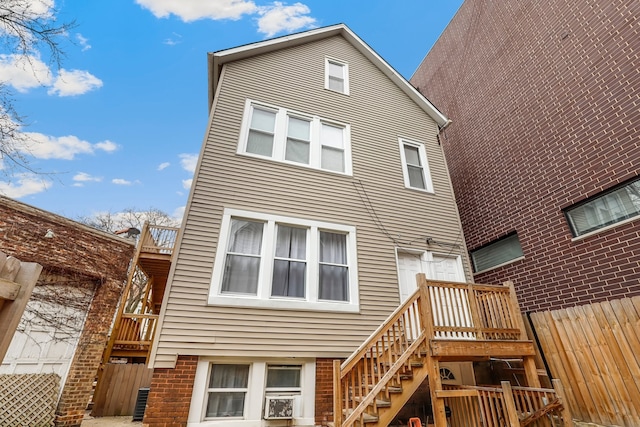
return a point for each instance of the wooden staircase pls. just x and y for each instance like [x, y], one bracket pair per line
[445, 321]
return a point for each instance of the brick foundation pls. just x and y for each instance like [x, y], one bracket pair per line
[324, 391]
[170, 394]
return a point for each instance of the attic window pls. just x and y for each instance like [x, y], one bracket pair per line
[336, 76]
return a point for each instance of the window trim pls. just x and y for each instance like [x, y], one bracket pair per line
[255, 396]
[281, 134]
[488, 245]
[263, 298]
[345, 65]
[209, 390]
[605, 226]
[426, 171]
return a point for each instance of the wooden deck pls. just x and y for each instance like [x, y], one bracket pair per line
[445, 321]
[135, 324]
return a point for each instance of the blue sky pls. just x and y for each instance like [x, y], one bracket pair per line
[120, 124]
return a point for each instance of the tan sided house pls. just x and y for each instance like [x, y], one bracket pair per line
[320, 192]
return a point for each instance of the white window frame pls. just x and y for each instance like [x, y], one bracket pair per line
[422, 153]
[256, 393]
[244, 390]
[280, 137]
[345, 68]
[263, 296]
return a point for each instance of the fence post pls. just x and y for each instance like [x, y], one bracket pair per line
[566, 413]
[510, 404]
[337, 395]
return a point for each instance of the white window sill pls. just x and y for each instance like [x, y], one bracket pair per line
[421, 190]
[282, 304]
[290, 163]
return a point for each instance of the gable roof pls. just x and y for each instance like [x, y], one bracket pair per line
[217, 59]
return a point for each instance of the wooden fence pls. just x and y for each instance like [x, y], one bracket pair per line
[595, 351]
[118, 389]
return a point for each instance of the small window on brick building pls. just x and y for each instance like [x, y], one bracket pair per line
[605, 209]
[497, 253]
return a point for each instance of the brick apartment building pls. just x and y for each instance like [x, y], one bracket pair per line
[544, 148]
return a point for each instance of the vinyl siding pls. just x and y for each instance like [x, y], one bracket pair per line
[378, 113]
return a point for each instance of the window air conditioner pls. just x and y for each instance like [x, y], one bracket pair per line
[279, 407]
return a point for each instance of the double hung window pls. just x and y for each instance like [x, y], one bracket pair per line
[297, 138]
[227, 390]
[336, 76]
[283, 379]
[414, 166]
[267, 260]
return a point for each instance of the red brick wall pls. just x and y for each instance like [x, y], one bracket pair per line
[324, 391]
[170, 394]
[83, 256]
[545, 102]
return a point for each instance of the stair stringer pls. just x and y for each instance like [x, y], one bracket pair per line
[409, 387]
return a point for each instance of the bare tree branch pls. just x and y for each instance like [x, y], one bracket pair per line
[28, 30]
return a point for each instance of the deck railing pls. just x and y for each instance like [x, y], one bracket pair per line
[472, 311]
[444, 310]
[135, 331]
[503, 406]
[159, 239]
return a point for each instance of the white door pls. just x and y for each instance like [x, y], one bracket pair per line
[435, 267]
[449, 307]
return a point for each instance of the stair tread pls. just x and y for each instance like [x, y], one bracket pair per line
[381, 403]
[368, 418]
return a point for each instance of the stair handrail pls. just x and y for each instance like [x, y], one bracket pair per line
[393, 371]
[376, 341]
[360, 351]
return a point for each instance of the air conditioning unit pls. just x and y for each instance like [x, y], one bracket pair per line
[279, 407]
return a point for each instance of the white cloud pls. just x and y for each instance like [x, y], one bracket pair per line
[186, 183]
[163, 166]
[107, 146]
[85, 177]
[25, 185]
[188, 162]
[64, 147]
[179, 213]
[74, 82]
[24, 73]
[31, 9]
[192, 10]
[83, 41]
[280, 17]
[172, 41]
[120, 181]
